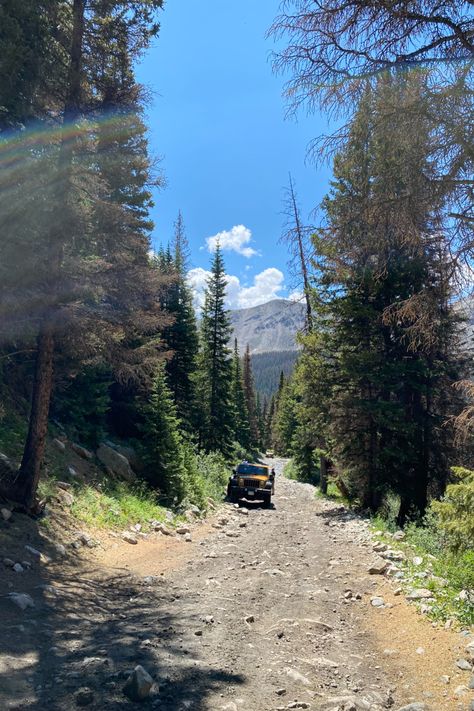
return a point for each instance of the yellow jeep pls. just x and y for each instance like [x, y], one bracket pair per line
[254, 482]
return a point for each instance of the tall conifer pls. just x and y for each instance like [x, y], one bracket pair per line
[216, 363]
[241, 425]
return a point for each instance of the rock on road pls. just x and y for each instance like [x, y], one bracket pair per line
[269, 610]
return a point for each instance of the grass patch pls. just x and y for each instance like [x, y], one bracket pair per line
[290, 471]
[13, 431]
[116, 506]
[450, 573]
[333, 494]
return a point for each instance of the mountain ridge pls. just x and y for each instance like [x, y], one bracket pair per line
[268, 327]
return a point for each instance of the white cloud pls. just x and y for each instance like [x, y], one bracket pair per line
[267, 286]
[234, 240]
[296, 295]
[197, 280]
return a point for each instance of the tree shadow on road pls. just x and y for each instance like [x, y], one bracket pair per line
[90, 629]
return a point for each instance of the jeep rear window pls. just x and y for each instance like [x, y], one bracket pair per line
[251, 469]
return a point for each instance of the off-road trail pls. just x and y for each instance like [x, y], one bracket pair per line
[262, 610]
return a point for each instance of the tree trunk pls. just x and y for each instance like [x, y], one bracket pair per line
[301, 255]
[26, 484]
[403, 511]
[323, 474]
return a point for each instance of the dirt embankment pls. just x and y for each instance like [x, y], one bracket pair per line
[263, 609]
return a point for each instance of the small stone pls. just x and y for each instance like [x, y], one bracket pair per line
[378, 568]
[471, 682]
[188, 538]
[281, 692]
[60, 549]
[417, 706]
[198, 633]
[18, 568]
[419, 594]
[84, 696]
[6, 514]
[420, 650]
[249, 619]
[445, 679]
[470, 651]
[129, 538]
[138, 685]
[59, 445]
[298, 677]
[460, 691]
[182, 530]
[377, 601]
[64, 497]
[81, 451]
[464, 665]
[8, 562]
[161, 528]
[399, 536]
[32, 551]
[21, 600]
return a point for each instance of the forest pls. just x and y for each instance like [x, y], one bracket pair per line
[99, 339]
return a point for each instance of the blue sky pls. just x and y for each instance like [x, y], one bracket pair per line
[217, 121]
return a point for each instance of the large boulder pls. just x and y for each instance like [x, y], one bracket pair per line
[129, 453]
[115, 463]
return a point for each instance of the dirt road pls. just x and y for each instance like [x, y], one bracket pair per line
[263, 610]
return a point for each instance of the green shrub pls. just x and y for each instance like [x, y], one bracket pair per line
[427, 537]
[456, 511]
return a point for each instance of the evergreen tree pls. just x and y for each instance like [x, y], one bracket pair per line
[286, 420]
[268, 437]
[216, 363]
[161, 446]
[250, 399]
[85, 281]
[379, 375]
[181, 336]
[241, 422]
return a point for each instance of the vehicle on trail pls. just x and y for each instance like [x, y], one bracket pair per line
[254, 482]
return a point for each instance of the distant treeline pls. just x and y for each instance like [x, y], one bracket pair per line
[267, 369]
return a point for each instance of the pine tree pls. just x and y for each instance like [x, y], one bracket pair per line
[269, 424]
[86, 277]
[241, 422]
[161, 446]
[216, 363]
[250, 399]
[286, 420]
[181, 336]
[375, 371]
